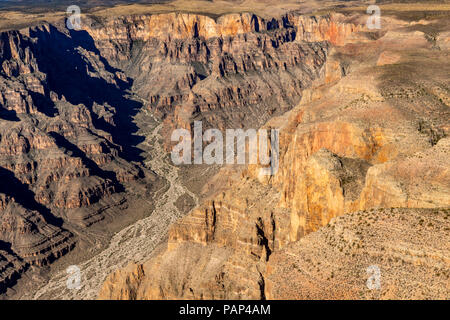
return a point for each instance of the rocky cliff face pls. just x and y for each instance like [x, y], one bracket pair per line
[69, 150]
[238, 70]
[375, 138]
[338, 261]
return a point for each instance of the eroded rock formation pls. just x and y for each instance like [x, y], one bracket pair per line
[370, 141]
[66, 156]
[69, 153]
[407, 248]
[236, 71]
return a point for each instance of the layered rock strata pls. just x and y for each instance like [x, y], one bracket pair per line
[69, 155]
[236, 71]
[373, 254]
[374, 140]
[65, 164]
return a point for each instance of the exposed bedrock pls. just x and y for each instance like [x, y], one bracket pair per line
[67, 157]
[69, 148]
[374, 145]
[236, 71]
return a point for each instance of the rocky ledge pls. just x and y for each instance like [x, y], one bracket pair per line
[363, 181]
[71, 154]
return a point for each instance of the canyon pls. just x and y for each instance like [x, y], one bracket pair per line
[73, 160]
[85, 123]
[368, 138]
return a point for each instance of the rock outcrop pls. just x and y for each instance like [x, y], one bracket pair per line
[69, 153]
[236, 71]
[11, 267]
[373, 140]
